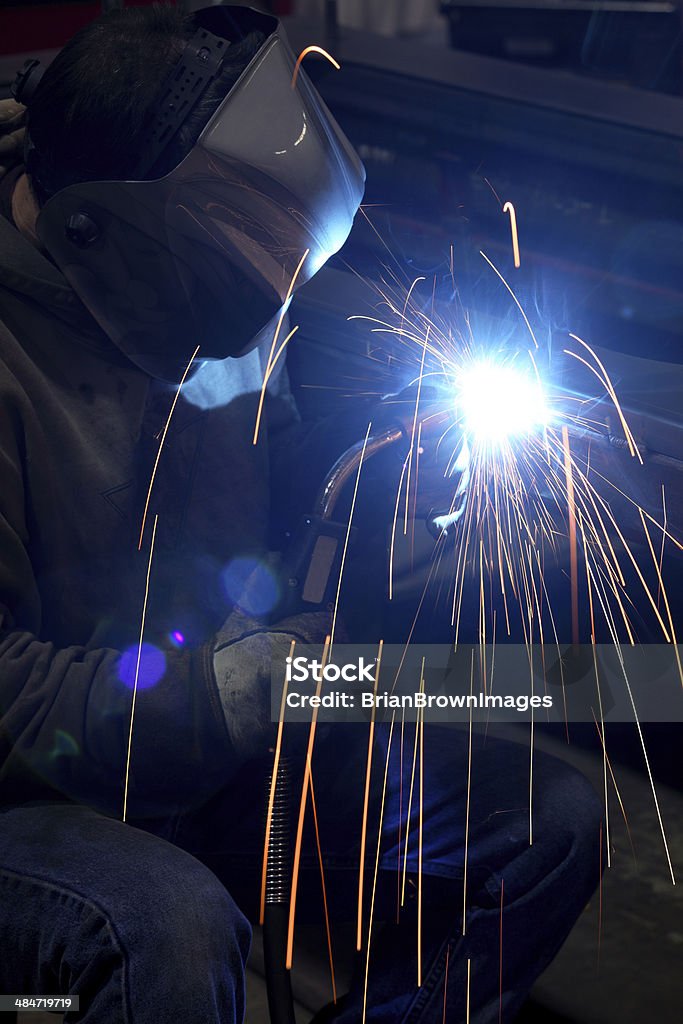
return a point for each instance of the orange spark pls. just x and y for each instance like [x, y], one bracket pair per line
[601, 729]
[161, 444]
[604, 379]
[662, 591]
[516, 300]
[400, 815]
[664, 531]
[618, 794]
[348, 534]
[137, 667]
[412, 436]
[302, 815]
[312, 49]
[421, 716]
[410, 807]
[271, 360]
[393, 527]
[500, 955]
[271, 367]
[573, 559]
[649, 774]
[600, 896]
[531, 757]
[509, 208]
[374, 881]
[469, 979]
[324, 889]
[366, 802]
[467, 808]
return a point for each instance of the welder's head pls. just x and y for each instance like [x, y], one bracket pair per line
[182, 179]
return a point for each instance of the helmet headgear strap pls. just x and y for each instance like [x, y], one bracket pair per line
[200, 63]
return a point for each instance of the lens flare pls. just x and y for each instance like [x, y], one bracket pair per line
[152, 666]
[251, 585]
[499, 402]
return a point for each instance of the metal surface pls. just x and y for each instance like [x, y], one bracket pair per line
[542, 88]
[331, 22]
[621, 6]
[593, 169]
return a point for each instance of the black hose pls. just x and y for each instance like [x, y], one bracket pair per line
[276, 911]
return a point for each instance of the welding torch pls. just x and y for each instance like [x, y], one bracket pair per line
[313, 560]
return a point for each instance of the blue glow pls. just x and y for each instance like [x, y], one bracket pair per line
[177, 638]
[65, 745]
[251, 585]
[218, 382]
[152, 666]
[499, 402]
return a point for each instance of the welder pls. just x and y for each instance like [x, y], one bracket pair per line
[165, 188]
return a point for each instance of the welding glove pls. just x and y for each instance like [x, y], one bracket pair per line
[246, 648]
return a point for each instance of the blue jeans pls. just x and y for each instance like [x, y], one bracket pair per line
[146, 927]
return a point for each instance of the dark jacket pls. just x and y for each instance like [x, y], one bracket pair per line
[79, 431]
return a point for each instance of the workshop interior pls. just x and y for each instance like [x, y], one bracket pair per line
[572, 111]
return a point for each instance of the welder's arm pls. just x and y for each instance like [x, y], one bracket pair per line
[65, 712]
[65, 716]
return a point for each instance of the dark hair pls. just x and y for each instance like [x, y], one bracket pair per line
[88, 117]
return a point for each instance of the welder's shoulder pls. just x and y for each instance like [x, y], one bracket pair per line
[20, 312]
[13, 388]
[30, 321]
[20, 392]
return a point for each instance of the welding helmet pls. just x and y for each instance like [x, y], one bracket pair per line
[206, 254]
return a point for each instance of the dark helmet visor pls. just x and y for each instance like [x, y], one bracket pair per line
[206, 255]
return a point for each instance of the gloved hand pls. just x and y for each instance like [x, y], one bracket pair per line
[244, 653]
[12, 128]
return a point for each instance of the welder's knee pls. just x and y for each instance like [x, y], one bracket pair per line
[139, 929]
[186, 929]
[567, 823]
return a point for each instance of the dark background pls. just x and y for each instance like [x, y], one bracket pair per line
[573, 111]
